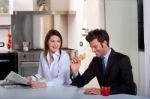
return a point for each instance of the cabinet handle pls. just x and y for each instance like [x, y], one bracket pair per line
[5, 60]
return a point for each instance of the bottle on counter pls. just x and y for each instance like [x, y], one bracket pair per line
[9, 41]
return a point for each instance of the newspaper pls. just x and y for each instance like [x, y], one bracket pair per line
[14, 79]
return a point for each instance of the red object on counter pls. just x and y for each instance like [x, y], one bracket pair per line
[9, 40]
[8, 46]
[9, 34]
[105, 91]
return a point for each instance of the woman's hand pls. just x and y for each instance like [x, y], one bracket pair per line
[92, 91]
[29, 78]
[75, 65]
[37, 84]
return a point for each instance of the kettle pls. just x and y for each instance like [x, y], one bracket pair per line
[26, 46]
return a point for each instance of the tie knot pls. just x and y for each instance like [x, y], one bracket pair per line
[103, 59]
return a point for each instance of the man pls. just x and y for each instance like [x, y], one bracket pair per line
[111, 68]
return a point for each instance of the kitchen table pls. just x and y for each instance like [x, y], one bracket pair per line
[63, 92]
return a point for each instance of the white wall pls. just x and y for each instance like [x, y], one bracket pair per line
[59, 5]
[4, 20]
[23, 5]
[145, 71]
[121, 24]
[3, 38]
[141, 73]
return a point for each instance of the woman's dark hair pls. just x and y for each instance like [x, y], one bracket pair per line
[99, 34]
[49, 34]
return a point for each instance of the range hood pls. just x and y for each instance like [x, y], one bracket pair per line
[45, 12]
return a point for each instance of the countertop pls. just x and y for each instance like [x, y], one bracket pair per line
[61, 92]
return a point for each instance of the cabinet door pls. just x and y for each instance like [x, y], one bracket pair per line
[8, 62]
[23, 5]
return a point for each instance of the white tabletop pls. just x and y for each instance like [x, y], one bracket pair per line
[56, 93]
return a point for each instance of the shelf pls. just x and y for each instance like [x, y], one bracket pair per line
[45, 12]
[5, 26]
[4, 14]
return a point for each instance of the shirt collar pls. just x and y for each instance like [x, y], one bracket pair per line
[56, 55]
[108, 53]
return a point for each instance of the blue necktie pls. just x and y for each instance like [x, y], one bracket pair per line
[103, 65]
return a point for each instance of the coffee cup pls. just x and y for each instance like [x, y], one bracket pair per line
[105, 91]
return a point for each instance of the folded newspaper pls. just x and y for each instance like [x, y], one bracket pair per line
[14, 79]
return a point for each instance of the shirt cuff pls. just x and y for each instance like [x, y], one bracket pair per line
[36, 77]
[75, 75]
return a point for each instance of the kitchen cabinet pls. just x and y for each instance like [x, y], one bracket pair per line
[8, 62]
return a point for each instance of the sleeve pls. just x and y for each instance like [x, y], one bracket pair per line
[126, 77]
[63, 74]
[40, 71]
[83, 79]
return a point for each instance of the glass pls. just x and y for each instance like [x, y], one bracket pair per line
[105, 91]
[82, 56]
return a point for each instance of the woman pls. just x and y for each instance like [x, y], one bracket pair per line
[54, 64]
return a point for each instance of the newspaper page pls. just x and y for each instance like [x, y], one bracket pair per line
[14, 79]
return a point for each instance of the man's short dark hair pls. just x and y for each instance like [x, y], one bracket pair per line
[99, 34]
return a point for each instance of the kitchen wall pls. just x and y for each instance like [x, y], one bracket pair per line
[144, 57]
[122, 26]
[3, 38]
[4, 20]
[23, 5]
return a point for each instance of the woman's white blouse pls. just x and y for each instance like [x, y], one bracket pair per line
[58, 72]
